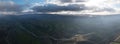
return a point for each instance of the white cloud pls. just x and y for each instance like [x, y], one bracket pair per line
[107, 6]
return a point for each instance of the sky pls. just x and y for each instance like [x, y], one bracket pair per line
[74, 7]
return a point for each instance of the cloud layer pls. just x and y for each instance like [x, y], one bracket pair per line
[57, 8]
[66, 6]
[79, 6]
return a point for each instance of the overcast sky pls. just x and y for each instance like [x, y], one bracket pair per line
[96, 7]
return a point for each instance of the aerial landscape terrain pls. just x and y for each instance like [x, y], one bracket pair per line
[59, 29]
[59, 21]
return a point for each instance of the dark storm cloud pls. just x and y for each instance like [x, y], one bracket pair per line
[57, 8]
